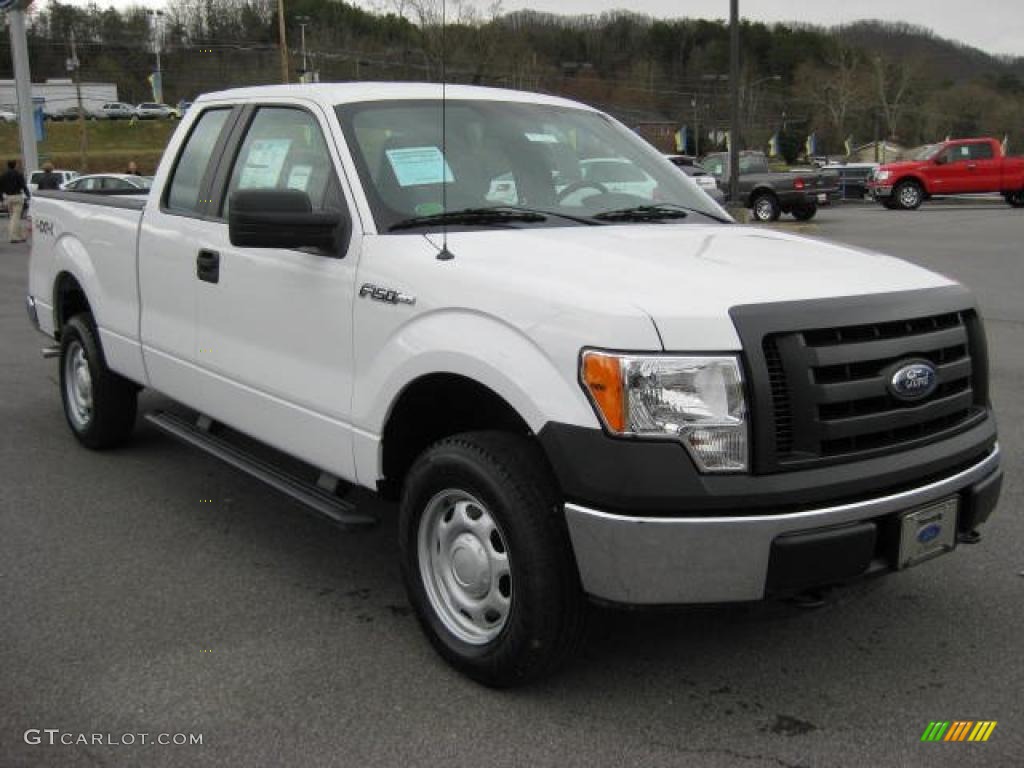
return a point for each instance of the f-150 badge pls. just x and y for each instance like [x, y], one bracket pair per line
[388, 295]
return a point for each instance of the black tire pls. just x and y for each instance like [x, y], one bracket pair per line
[1015, 199]
[804, 212]
[889, 203]
[764, 207]
[110, 419]
[908, 195]
[509, 477]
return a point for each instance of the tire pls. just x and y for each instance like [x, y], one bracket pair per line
[908, 195]
[890, 203]
[805, 212]
[1015, 199]
[99, 405]
[765, 207]
[526, 603]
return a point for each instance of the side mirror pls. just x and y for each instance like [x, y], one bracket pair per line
[940, 159]
[280, 218]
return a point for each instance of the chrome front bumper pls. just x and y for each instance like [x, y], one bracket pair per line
[656, 560]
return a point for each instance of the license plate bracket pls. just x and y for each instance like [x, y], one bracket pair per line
[928, 531]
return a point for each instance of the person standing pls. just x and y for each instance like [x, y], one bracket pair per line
[15, 192]
[133, 169]
[48, 179]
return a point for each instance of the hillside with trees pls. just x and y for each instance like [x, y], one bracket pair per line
[860, 81]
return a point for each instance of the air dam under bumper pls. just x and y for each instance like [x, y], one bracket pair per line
[666, 560]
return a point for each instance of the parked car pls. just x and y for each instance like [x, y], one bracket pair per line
[182, 107]
[116, 110]
[699, 174]
[853, 178]
[771, 193]
[149, 110]
[108, 182]
[617, 174]
[957, 167]
[619, 397]
[6, 116]
[71, 113]
[65, 177]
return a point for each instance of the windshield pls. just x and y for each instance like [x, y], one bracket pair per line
[924, 153]
[572, 164]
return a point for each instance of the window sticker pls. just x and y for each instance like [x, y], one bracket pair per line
[416, 166]
[298, 177]
[263, 165]
[542, 138]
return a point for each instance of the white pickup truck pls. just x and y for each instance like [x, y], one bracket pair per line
[574, 391]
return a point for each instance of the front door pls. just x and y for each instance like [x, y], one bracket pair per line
[274, 326]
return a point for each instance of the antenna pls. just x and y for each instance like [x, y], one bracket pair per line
[444, 254]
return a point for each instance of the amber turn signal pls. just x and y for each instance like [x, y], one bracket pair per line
[602, 377]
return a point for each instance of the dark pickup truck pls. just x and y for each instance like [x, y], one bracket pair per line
[771, 193]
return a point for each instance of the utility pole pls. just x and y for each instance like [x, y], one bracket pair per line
[303, 21]
[83, 136]
[23, 88]
[158, 40]
[282, 41]
[696, 127]
[734, 88]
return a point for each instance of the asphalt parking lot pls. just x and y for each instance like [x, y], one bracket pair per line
[154, 590]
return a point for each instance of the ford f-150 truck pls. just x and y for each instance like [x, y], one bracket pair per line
[768, 193]
[959, 167]
[573, 392]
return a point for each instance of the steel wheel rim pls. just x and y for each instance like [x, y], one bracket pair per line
[908, 196]
[763, 210]
[78, 385]
[464, 566]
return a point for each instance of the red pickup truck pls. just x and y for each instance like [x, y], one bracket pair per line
[962, 166]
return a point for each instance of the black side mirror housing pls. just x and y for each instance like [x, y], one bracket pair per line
[280, 218]
[940, 159]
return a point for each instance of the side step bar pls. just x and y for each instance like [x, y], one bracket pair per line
[316, 496]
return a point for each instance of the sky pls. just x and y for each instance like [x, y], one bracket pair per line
[995, 26]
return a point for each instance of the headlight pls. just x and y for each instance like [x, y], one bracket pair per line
[881, 175]
[695, 399]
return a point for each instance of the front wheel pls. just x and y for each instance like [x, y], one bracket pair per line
[99, 405]
[486, 558]
[909, 195]
[805, 212]
[1015, 199]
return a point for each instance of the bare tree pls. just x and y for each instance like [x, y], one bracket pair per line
[834, 88]
[894, 81]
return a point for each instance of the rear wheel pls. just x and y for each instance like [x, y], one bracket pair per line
[486, 558]
[804, 212]
[765, 207]
[908, 195]
[99, 405]
[1015, 199]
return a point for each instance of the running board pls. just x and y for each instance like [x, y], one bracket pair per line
[316, 496]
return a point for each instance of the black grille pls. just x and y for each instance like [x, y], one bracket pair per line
[829, 394]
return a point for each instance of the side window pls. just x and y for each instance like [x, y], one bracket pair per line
[714, 166]
[187, 178]
[958, 154]
[981, 151]
[284, 148]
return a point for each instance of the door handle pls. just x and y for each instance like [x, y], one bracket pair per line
[971, 166]
[208, 266]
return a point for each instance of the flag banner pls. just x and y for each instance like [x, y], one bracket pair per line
[773, 145]
[1006, 143]
[848, 145]
[811, 146]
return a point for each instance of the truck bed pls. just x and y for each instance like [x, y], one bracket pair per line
[97, 235]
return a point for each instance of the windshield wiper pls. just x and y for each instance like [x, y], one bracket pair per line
[655, 212]
[477, 216]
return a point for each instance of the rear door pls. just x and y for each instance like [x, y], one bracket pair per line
[984, 167]
[174, 229]
[275, 325]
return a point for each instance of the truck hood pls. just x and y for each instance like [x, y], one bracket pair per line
[903, 166]
[685, 277]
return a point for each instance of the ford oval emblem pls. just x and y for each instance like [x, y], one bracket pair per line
[929, 533]
[913, 381]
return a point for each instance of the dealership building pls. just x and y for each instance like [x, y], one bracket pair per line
[57, 94]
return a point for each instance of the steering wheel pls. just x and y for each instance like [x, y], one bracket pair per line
[576, 186]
